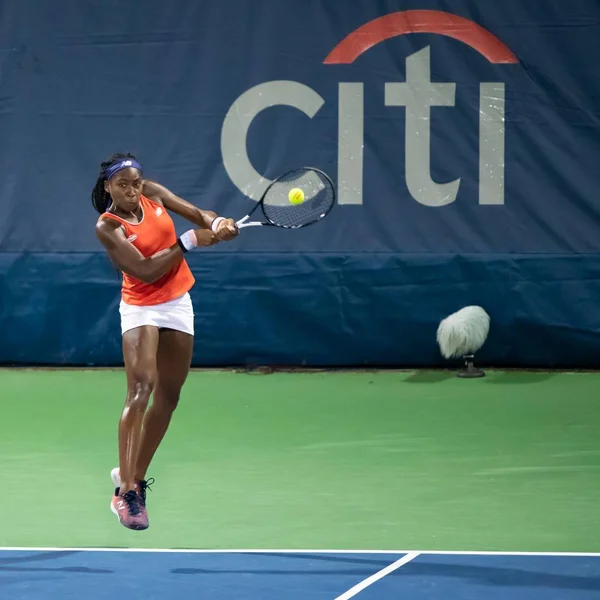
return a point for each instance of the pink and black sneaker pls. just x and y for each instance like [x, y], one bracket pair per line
[130, 510]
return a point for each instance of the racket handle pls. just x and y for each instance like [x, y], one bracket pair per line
[241, 224]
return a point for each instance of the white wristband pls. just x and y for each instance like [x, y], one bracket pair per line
[188, 240]
[216, 222]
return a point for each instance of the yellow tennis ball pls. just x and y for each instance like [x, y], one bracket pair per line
[296, 196]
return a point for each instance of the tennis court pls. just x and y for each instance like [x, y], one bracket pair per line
[306, 485]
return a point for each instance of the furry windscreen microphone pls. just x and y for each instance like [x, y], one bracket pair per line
[463, 332]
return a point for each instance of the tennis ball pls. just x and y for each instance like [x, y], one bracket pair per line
[296, 196]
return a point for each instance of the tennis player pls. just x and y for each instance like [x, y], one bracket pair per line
[157, 318]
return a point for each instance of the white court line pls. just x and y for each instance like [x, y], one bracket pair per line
[377, 576]
[294, 551]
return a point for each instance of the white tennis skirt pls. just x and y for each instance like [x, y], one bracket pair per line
[176, 314]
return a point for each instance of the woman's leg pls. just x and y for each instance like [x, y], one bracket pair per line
[140, 347]
[174, 358]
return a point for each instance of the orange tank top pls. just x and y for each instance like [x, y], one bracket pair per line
[155, 232]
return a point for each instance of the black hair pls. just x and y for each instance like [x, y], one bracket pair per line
[100, 197]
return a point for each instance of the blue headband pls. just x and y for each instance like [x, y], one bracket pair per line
[125, 163]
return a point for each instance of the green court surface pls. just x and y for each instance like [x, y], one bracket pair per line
[364, 460]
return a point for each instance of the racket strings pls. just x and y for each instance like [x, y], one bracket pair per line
[319, 196]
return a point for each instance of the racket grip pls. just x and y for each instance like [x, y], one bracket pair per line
[241, 225]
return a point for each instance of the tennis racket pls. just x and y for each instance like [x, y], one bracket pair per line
[278, 211]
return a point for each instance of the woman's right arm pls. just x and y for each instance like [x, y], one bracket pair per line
[126, 257]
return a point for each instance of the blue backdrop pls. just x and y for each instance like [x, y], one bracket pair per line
[504, 102]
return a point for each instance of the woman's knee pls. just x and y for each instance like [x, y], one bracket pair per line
[167, 397]
[139, 390]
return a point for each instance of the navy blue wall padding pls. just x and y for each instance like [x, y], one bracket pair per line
[370, 283]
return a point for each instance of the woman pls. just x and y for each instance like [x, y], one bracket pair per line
[157, 319]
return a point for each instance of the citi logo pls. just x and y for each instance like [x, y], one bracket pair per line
[417, 94]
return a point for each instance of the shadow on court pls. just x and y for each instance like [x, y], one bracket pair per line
[17, 564]
[422, 567]
[519, 377]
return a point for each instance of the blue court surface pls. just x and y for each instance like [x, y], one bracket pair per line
[99, 574]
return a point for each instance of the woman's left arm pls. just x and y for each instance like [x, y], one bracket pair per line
[226, 228]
